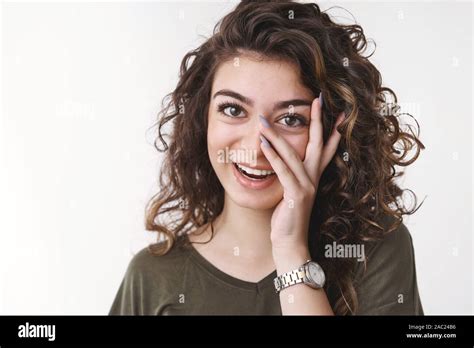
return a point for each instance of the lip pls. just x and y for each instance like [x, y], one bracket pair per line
[253, 184]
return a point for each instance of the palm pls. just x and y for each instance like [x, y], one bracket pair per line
[299, 178]
[290, 217]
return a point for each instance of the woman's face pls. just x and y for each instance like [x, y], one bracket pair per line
[242, 90]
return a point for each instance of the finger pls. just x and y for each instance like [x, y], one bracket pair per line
[286, 177]
[315, 142]
[285, 152]
[333, 142]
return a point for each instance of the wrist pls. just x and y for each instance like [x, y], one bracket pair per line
[288, 259]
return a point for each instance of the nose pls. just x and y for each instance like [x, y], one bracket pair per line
[250, 140]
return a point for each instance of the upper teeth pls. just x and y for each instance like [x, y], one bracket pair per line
[254, 171]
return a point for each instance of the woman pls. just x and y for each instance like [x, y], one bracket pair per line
[278, 191]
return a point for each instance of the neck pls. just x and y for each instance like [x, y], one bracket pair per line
[244, 230]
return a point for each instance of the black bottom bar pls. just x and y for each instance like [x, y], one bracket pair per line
[292, 330]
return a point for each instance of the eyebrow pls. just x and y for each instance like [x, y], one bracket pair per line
[277, 106]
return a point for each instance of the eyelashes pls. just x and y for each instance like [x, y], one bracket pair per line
[225, 105]
[221, 107]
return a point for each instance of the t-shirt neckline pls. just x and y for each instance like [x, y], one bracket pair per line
[218, 273]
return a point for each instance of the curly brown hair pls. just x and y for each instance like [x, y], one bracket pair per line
[356, 192]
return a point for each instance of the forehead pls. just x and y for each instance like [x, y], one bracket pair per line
[266, 79]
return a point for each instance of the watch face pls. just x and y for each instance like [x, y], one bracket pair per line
[316, 273]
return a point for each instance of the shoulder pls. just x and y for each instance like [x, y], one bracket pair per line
[386, 282]
[147, 281]
[147, 263]
[396, 246]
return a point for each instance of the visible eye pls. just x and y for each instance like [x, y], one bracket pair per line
[233, 109]
[291, 119]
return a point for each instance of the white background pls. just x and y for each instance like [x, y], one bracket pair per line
[82, 84]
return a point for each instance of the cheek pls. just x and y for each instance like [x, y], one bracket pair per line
[298, 143]
[219, 135]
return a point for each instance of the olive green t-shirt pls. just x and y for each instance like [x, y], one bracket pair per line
[183, 282]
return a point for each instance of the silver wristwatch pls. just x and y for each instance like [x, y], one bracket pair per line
[309, 273]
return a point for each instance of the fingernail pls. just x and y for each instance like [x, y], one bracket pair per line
[321, 98]
[264, 121]
[264, 141]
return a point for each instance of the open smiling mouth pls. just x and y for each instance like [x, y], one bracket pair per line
[253, 174]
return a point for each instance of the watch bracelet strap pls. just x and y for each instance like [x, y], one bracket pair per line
[289, 278]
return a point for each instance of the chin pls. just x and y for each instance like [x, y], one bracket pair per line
[256, 200]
